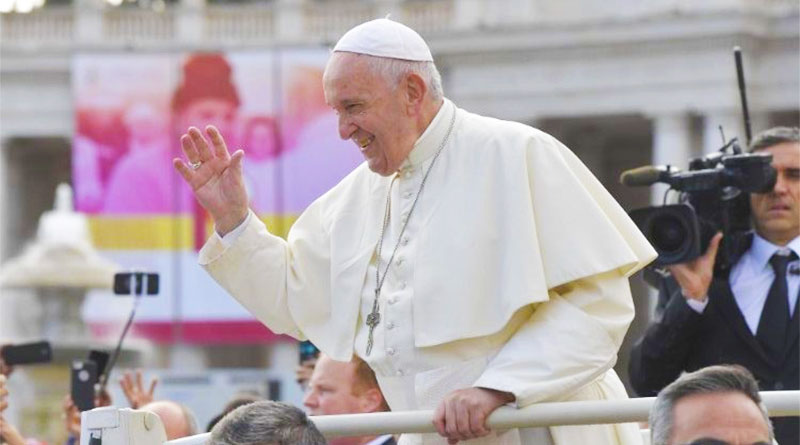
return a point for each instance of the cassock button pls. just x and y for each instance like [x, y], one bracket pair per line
[399, 261]
[403, 285]
[390, 351]
[389, 325]
[404, 241]
[392, 300]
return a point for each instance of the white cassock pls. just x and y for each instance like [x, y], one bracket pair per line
[511, 274]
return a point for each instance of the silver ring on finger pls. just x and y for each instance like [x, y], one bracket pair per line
[195, 165]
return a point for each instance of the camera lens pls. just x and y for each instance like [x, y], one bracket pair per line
[668, 233]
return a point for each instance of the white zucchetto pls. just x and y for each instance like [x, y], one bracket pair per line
[385, 38]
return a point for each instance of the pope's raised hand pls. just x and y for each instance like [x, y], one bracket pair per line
[215, 176]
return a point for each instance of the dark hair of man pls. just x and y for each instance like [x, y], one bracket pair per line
[774, 136]
[709, 380]
[266, 423]
[364, 380]
[238, 400]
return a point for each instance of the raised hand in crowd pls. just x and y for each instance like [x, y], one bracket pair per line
[5, 369]
[215, 177]
[8, 434]
[695, 276]
[72, 417]
[133, 386]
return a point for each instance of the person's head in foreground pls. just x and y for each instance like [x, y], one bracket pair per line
[178, 420]
[717, 405]
[266, 423]
[344, 388]
[382, 83]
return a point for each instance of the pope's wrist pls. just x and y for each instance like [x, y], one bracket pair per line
[698, 298]
[225, 225]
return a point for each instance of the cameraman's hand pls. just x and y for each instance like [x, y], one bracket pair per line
[217, 180]
[695, 276]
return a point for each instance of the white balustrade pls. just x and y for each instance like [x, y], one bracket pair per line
[256, 22]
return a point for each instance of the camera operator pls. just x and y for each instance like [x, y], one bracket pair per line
[746, 316]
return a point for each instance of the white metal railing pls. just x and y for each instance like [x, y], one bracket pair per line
[779, 404]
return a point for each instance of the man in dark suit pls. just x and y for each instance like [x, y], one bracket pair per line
[346, 388]
[748, 314]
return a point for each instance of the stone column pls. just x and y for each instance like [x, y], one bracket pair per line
[289, 22]
[4, 205]
[672, 145]
[732, 123]
[190, 21]
[88, 20]
[468, 13]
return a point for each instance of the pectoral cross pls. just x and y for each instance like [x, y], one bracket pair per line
[373, 319]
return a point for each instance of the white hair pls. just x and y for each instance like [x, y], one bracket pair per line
[266, 423]
[394, 70]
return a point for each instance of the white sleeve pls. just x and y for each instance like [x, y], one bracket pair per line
[234, 234]
[697, 306]
[253, 269]
[567, 342]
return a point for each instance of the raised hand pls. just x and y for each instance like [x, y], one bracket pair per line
[695, 276]
[133, 387]
[3, 395]
[215, 177]
[72, 417]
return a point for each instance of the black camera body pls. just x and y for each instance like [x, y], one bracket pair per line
[714, 197]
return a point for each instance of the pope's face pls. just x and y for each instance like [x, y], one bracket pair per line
[776, 214]
[374, 114]
[698, 416]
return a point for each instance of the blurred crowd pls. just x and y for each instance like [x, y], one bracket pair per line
[331, 388]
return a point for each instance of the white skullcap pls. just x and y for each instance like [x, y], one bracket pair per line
[385, 38]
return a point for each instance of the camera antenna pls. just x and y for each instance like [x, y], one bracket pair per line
[737, 55]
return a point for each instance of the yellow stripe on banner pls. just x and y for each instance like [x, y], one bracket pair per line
[279, 224]
[142, 232]
[163, 232]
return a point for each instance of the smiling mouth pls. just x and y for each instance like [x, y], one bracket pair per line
[364, 142]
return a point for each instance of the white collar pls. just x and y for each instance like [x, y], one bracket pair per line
[430, 140]
[762, 250]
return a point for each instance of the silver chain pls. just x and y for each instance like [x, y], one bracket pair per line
[378, 279]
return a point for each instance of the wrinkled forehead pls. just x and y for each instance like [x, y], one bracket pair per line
[348, 74]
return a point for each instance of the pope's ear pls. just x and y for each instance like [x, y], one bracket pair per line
[415, 92]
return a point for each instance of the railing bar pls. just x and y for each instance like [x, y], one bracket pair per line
[779, 404]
